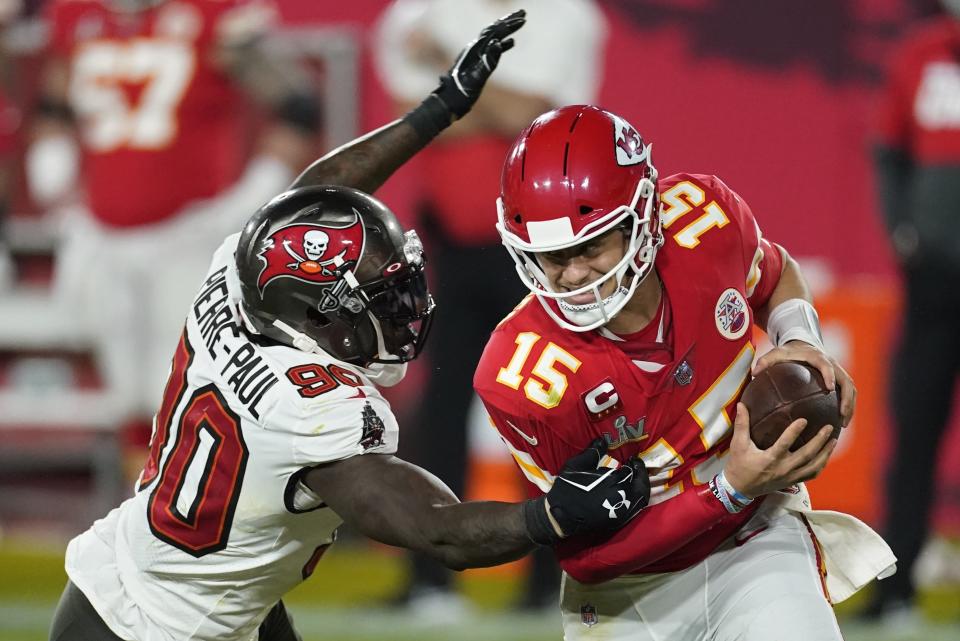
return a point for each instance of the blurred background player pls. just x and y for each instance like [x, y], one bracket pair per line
[141, 138]
[558, 61]
[917, 163]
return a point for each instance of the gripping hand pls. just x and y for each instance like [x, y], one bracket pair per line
[586, 498]
[461, 85]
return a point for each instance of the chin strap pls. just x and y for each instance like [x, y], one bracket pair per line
[385, 374]
[382, 374]
[245, 320]
[382, 352]
[300, 340]
[381, 345]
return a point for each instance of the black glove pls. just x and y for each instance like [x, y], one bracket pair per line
[461, 85]
[585, 498]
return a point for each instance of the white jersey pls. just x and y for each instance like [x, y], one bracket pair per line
[221, 527]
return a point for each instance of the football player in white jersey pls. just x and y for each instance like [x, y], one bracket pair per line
[272, 433]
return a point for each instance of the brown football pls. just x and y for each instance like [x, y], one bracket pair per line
[784, 392]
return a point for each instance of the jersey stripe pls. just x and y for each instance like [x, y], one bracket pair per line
[541, 478]
[753, 276]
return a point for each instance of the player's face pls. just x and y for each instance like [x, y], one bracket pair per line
[574, 267]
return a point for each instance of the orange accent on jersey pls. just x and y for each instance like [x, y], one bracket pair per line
[821, 563]
[532, 469]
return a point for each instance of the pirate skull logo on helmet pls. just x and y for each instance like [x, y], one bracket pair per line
[315, 243]
[330, 269]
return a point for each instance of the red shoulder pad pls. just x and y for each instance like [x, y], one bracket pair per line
[704, 216]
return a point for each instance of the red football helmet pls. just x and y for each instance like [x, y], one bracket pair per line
[576, 173]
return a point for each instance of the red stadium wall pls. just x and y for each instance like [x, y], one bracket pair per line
[783, 119]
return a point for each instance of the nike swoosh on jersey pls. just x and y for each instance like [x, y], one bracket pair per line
[532, 440]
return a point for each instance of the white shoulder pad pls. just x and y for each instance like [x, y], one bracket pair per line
[330, 411]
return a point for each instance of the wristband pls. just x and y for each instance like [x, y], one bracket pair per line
[454, 95]
[538, 524]
[723, 497]
[794, 320]
[738, 497]
[429, 118]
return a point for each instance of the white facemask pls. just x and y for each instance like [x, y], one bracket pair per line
[637, 261]
[598, 313]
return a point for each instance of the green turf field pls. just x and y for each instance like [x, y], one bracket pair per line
[340, 602]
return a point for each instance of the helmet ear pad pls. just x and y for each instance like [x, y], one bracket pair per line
[346, 333]
[357, 335]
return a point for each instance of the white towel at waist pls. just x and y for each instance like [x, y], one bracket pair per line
[852, 552]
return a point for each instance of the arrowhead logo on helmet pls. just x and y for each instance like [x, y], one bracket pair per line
[312, 253]
[628, 143]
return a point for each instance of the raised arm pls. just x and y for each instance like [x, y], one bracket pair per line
[400, 504]
[368, 161]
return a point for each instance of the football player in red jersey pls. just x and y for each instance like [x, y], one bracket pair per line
[150, 94]
[916, 160]
[638, 330]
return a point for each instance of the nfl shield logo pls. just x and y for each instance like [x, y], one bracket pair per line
[683, 374]
[588, 615]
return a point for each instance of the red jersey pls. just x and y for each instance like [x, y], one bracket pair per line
[158, 119]
[550, 391]
[9, 125]
[919, 109]
[464, 178]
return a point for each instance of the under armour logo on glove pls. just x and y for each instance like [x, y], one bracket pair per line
[587, 498]
[613, 508]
